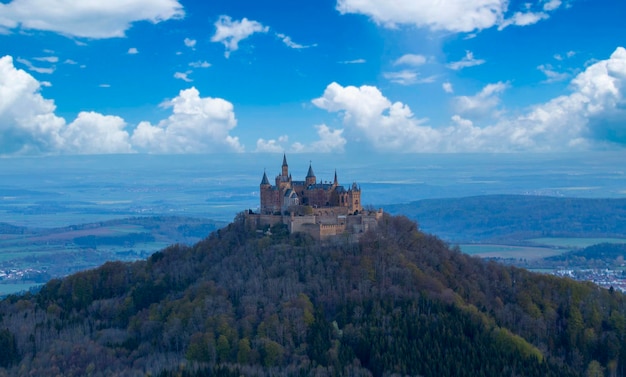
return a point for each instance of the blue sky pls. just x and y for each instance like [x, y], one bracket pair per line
[311, 76]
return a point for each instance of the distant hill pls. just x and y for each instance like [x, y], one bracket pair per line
[494, 218]
[398, 302]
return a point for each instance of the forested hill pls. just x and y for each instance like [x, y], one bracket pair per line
[492, 218]
[399, 302]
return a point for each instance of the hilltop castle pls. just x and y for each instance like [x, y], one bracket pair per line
[320, 209]
[288, 194]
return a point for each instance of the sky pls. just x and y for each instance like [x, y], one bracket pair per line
[311, 76]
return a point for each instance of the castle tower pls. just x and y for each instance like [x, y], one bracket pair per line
[335, 183]
[285, 171]
[310, 176]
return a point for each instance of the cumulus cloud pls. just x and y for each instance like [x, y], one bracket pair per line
[133, 51]
[447, 87]
[94, 133]
[467, 61]
[86, 18]
[272, 145]
[29, 125]
[329, 140]
[197, 125]
[591, 116]
[454, 16]
[27, 120]
[230, 33]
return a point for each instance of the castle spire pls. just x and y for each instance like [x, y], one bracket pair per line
[310, 172]
[335, 182]
[265, 181]
[310, 176]
[285, 170]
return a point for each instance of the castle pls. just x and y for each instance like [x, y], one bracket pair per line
[287, 194]
[320, 209]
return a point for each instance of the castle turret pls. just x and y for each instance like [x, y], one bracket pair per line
[310, 176]
[335, 183]
[265, 182]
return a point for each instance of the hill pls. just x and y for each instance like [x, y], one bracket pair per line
[514, 218]
[398, 302]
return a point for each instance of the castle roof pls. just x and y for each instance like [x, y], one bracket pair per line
[284, 159]
[310, 173]
[265, 181]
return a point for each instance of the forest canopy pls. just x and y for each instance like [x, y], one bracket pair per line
[399, 301]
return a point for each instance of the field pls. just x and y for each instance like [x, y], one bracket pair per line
[32, 257]
[574, 243]
[510, 252]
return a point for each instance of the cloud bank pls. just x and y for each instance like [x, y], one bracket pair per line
[592, 116]
[29, 125]
[86, 18]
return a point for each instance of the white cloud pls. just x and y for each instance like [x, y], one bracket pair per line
[389, 126]
[592, 116]
[568, 55]
[33, 68]
[45, 83]
[467, 61]
[330, 140]
[49, 59]
[551, 74]
[94, 133]
[86, 18]
[411, 60]
[483, 103]
[230, 33]
[355, 61]
[70, 61]
[289, 42]
[447, 87]
[27, 120]
[200, 64]
[408, 77]
[455, 16]
[104, 85]
[197, 125]
[133, 51]
[28, 124]
[551, 5]
[523, 19]
[272, 146]
[191, 43]
[183, 76]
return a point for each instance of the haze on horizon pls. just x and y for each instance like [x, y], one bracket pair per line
[330, 76]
